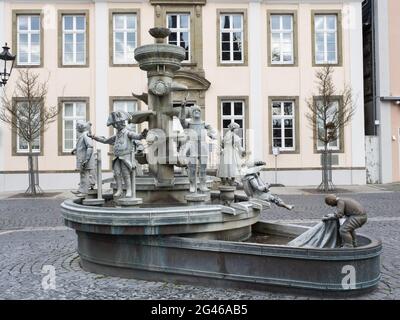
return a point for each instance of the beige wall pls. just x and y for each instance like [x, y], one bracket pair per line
[394, 43]
[225, 81]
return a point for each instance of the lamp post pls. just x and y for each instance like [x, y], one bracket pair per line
[8, 60]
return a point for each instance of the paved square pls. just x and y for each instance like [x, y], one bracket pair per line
[32, 235]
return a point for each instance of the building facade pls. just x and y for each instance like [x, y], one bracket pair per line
[382, 90]
[248, 61]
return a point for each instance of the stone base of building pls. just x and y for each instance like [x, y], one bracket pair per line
[294, 177]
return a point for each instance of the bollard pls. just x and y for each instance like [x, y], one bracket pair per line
[99, 200]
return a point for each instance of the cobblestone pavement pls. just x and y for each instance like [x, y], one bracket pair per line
[32, 235]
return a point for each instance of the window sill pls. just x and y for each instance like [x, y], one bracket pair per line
[73, 66]
[233, 64]
[22, 66]
[123, 65]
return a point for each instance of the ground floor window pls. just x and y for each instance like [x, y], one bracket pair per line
[72, 112]
[22, 144]
[333, 145]
[283, 125]
[233, 111]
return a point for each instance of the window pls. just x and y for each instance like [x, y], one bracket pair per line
[334, 145]
[283, 125]
[28, 40]
[233, 111]
[22, 143]
[72, 112]
[231, 38]
[179, 24]
[126, 106]
[74, 39]
[125, 38]
[282, 39]
[326, 39]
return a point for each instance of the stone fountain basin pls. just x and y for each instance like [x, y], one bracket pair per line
[202, 258]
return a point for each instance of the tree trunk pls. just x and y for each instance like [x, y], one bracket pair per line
[326, 173]
[31, 172]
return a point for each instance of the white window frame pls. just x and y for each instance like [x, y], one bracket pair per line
[231, 31]
[284, 117]
[232, 117]
[74, 33]
[178, 30]
[282, 31]
[19, 138]
[325, 31]
[74, 118]
[29, 33]
[320, 144]
[125, 109]
[125, 30]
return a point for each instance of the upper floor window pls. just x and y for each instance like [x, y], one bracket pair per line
[233, 111]
[179, 24]
[231, 38]
[283, 125]
[326, 38]
[74, 39]
[72, 112]
[126, 106]
[125, 38]
[282, 39]
[28, 40]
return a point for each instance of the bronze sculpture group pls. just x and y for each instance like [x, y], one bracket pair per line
[195, 152]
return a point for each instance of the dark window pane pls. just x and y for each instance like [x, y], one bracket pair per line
[172, 37]
[226, 123]
[276, 123]
[225, 36]
[226, 108]
[289, 143]
[288, 107]
[238, 108]
[225, 22]
[277, 143]
[277, 133]
[226, 46]
[172, 22]
[239, 122]
[288, 133]
[237, 56]
[237, 46]
[226, 56]
[288, 123]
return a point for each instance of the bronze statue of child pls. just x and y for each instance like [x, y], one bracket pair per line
[355, 214]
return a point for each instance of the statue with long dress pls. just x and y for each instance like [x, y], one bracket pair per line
[85, 161]
[195, 150]
[255, 187]
[231, 156]
[124, 146]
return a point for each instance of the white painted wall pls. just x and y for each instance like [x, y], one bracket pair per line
[256, 67]
[354, 25]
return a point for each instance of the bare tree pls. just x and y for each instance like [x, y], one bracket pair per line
[30, 118]
[328, 119]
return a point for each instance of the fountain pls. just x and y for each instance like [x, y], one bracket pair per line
[171, 232]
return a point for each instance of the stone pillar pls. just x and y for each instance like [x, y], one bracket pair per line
[101, 76]
[255, 68]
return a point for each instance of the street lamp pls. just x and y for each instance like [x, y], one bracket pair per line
[8, 59]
